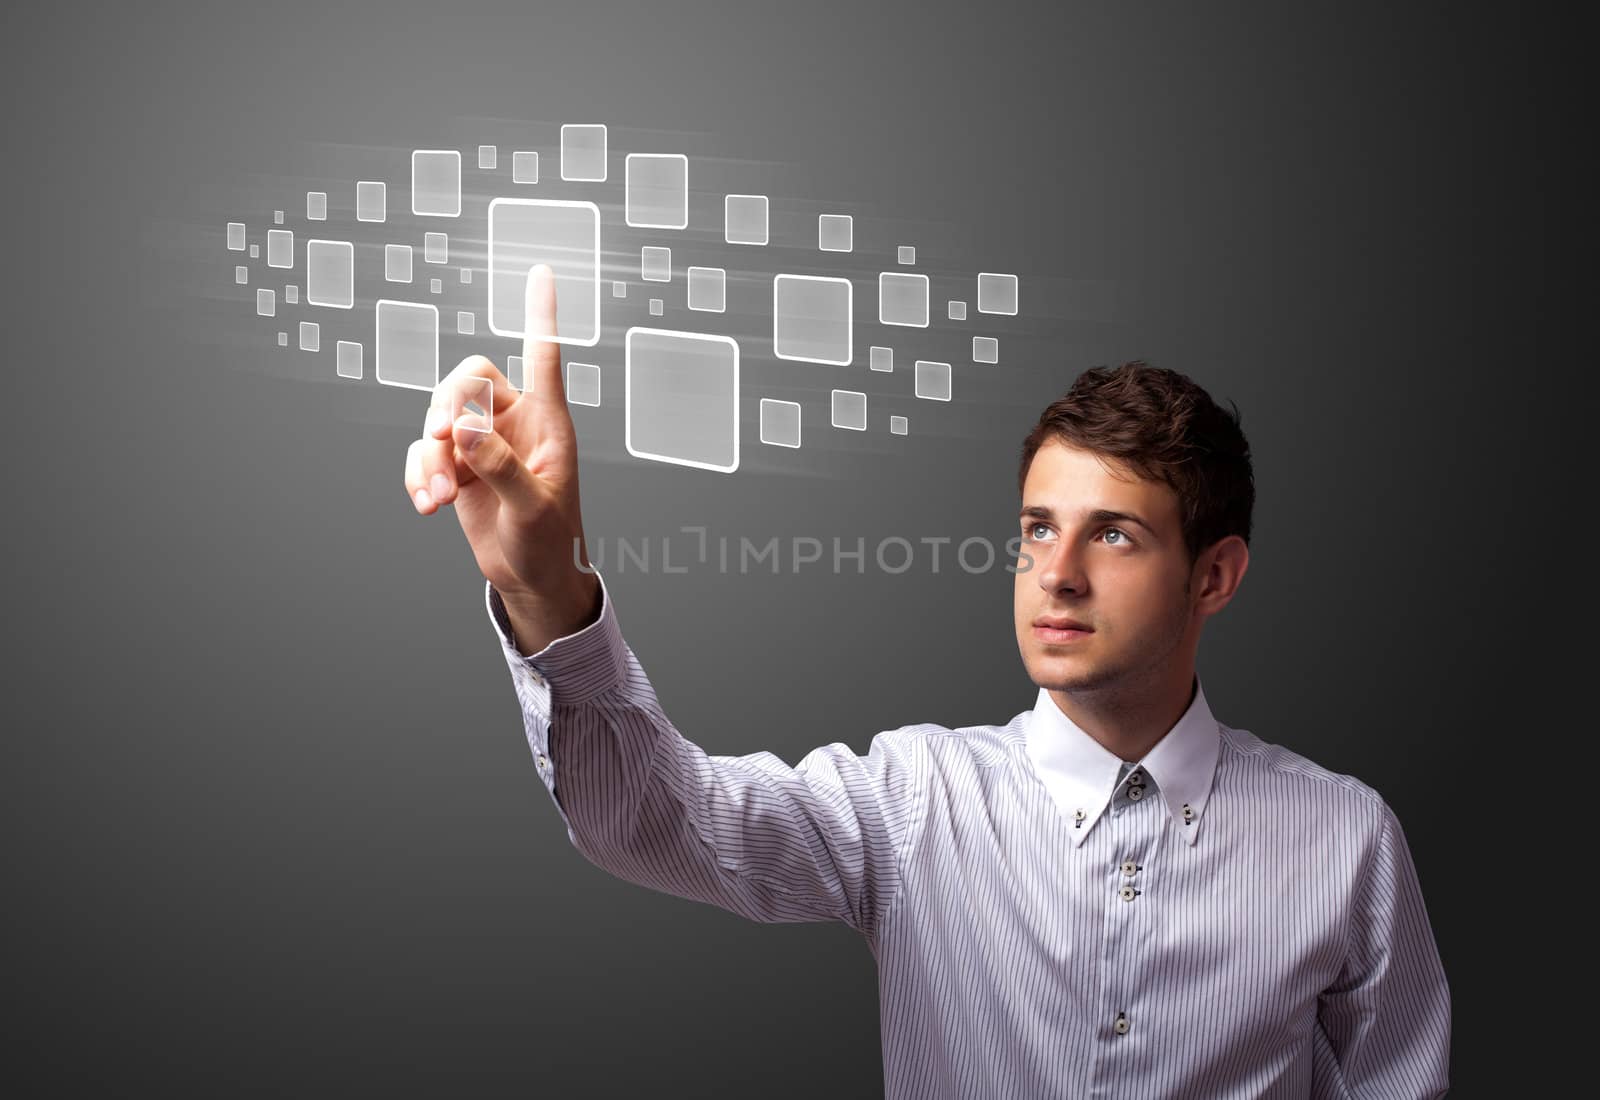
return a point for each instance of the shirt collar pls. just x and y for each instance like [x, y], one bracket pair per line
[1082, 776]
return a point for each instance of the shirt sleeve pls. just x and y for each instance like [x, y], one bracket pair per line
[819, 841]
[1384, 1025]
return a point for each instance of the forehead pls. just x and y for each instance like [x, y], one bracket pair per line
[1068, 479]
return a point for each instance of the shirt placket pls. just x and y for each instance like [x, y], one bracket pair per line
[1133, 824]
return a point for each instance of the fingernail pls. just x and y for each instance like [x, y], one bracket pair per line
[423, 500]
[441, 486]
[435, 420]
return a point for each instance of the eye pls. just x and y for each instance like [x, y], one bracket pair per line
[1033, 530]
[1122, 538]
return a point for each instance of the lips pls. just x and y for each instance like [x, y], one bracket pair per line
[1061, 622]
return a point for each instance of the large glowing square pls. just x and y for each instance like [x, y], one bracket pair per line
[681, 398]
[583, 153]
[331, 274]
[812, 319]
[566, 236]
[903, 299]
[657, 190]
[407, 351]
[436, 183]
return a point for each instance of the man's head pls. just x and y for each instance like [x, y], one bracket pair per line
[1137, 492]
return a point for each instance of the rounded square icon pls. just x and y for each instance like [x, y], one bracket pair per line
[708, 289]
[407, 346]
[681, 398]
[897, 425]
[488, 156]
[371, 201]
[812, 319]
[997, 293]
[316, 206]
[881, 359]
[745, 218]
[780, 422]
[850, 410]
[933, 380]
[583, 384]
[564, 234]
[331, 274]
[436, 182]
[903, 299]
[655, 264]
[525, 167]
[835, 232]
[347, 359]
[583, 153]
[985, 349]
[236, 236]
[656, 194]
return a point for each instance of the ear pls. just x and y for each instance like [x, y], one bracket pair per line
[1219, 572]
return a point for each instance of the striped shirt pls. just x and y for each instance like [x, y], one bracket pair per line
[1223, 919]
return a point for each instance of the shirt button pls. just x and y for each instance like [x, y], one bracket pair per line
[1136, 778]
[533, 674]
[1121, 1026]
[1128, 893]
[1129, 867]
[543, 761]
[1135, 793]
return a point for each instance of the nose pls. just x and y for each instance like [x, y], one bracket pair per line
[1062, 570]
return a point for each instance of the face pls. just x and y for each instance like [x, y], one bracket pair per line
[1108, 554]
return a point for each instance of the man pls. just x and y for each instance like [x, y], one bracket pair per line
[1113, 894]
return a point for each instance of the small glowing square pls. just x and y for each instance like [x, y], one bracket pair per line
[236, 236]
[436, 182]
[985, 349]
[908, 254]
[514, 372]
[746, 219]
[277, 217]
[436, 248]
[291, 295]
[241, 274]
[933, 380]
[561, 233]
[881, 359]
[316, 206]
[266, 303]
[466, 275]
[310, 336]
[780, 422]
[657, 307]
[708, 289]
[997, 293]
[407, 348]
[280, 248]
[488, 156]
[583, 153]
[835, 232]
[371, 201]
[524, 167]
[397, 263]
[255, 252]
[897, 425]
[583, 384]
[331, 274]
[435, 286]
[812, 319]
[466, 323]
[681, 401]
[473, 397]
[655, 264]
[347, 359]
[283, 339]
[850, 410]
[957, 311]
[619, 290]
[656, 191]
[903, 299]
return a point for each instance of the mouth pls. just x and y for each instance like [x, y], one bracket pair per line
[1060, 630]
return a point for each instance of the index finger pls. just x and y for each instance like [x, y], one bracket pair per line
[541, 355]
[463, 383]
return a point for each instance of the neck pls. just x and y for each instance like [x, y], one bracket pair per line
[1130, 720]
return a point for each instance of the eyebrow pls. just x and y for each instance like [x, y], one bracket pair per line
[1097, 515]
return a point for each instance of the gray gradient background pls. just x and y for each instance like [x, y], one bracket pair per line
[271, 824]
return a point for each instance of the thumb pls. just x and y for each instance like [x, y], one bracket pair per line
[495, 461]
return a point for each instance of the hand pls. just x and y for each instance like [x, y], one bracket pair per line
[515, 488]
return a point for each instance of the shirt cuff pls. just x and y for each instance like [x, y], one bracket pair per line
[574, 668]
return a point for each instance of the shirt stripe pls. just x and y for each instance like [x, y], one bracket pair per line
[1284, 952]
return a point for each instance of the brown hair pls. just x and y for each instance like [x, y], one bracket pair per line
[1164, 427]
